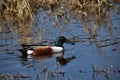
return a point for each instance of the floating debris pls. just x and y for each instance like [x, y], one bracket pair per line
[109, 44]
[118, 70]
[113, 49]
[10, 52]
[81, 71]
[8, 76]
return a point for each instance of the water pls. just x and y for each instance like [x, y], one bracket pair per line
[97, 60]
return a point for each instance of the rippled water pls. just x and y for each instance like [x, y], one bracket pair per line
[97, 60]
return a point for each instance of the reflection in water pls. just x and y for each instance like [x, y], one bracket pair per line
[30, 61]
[105, 72]
[59, 59]
[64, 61]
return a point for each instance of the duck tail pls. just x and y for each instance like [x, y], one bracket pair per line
[24, 53]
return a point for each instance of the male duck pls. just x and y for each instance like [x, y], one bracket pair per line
[36, 50]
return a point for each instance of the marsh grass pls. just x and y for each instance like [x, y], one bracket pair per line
[93, 13]
[15, 8]
[87, 10]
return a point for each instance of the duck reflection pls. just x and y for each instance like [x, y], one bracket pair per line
[63, 61]
[60, 59]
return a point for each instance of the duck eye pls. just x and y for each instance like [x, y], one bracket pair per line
[61, 38]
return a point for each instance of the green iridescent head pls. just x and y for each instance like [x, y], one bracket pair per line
[61, 40]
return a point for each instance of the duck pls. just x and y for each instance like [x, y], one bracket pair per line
[45, 50]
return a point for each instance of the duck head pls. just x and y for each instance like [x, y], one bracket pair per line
[61, 40]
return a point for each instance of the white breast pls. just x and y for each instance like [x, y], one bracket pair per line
[29, 52]
[56, 49]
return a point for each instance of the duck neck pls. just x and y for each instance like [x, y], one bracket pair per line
[59, 43]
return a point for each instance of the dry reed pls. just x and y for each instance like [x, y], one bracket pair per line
[92, 13]
[95, 9]
[15, 8]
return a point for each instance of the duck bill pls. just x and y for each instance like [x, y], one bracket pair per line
[69, 42]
